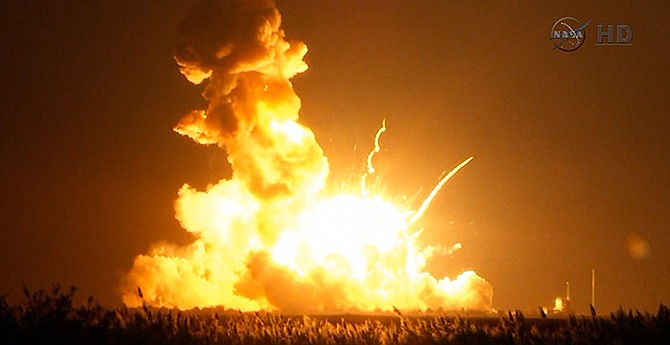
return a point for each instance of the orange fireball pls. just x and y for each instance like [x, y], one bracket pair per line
[269, 237]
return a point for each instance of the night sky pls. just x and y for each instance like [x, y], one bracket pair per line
[571, 149]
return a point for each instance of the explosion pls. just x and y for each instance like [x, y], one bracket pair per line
[270, 236]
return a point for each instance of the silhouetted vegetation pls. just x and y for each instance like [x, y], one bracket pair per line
[49, 317]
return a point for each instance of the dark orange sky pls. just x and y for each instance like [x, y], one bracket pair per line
[571, 149]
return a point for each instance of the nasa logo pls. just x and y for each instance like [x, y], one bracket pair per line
[568, 34]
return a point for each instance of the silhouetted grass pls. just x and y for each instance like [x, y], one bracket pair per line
[49, 317]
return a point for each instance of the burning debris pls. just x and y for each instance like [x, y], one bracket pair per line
[269, 237]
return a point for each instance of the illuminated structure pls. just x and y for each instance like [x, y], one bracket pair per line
[563, 305]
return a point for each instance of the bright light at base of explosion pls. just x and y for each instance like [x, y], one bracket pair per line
[341, 232]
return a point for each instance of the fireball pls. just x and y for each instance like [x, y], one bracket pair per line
[271, 236]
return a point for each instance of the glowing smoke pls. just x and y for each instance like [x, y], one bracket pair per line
[267, 238]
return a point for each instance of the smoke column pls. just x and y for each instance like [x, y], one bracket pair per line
[267, 237]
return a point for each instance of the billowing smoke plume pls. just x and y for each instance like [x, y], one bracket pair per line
[267, 238]
[240, 47]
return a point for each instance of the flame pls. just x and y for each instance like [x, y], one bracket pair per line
[558, 305]
[271, 236]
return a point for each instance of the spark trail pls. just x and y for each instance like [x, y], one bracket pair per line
[424, 206]
[370, 167]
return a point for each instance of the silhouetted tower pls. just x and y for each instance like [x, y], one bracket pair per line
[567, 304]
[593, 288]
